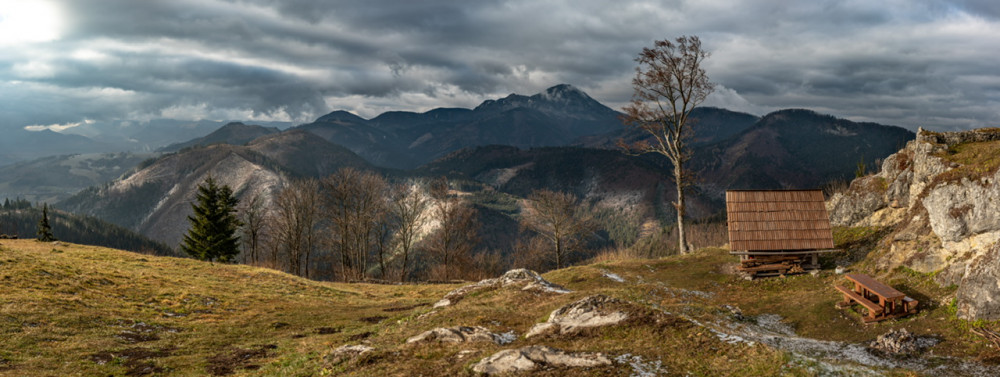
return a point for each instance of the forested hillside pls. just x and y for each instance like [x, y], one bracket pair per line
[19, 218]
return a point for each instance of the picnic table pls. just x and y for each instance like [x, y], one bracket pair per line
[882, 301]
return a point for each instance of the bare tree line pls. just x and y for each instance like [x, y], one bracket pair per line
[356, 225]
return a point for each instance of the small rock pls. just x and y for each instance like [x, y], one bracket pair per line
[735, 311]
[534, 357]
[457, 334]
[527, 279]
[345, 353]
[592, 311]
[900, 343]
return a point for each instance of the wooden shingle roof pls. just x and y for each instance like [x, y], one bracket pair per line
[771, 220]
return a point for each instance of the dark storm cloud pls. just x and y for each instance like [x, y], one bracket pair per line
[908, 63]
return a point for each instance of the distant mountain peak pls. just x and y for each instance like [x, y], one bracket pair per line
[563, 92]
[340, 116]
[556, 98]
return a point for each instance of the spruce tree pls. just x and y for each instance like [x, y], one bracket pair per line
[212, 236]
[44, 230]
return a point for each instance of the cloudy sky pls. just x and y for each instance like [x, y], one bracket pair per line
[934, 64]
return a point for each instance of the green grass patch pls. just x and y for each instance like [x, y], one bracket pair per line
[975, 161]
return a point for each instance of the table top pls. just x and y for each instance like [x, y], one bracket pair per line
[885, 291]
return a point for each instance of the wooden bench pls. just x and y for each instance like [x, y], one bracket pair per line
[850, 296]
[882, 301]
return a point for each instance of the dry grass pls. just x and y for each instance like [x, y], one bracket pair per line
[66, 308]
[975, 161]
[62, 304]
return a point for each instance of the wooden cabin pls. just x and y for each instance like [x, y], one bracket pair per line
[777, 232]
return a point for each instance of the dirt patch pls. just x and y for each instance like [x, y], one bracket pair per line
[988, 357]
[361, 336]
[137, 332]
[374, 319]
[228, 362]
[144, 368]
[136, 337]
[404, 308]
[136, 360]
[327, 330]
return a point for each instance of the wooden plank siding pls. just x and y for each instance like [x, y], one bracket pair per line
[777, 220]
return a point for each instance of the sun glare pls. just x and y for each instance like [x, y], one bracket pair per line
[28, 21]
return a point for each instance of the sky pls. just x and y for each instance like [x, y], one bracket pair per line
[911, 63]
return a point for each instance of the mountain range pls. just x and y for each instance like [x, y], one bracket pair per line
[560, 139]
[405, 140]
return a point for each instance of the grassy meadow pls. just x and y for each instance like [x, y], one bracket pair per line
[69, 309]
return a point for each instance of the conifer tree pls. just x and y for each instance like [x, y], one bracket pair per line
[44, 230]
[212, 236]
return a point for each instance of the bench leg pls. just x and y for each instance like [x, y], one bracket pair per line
[847, 302]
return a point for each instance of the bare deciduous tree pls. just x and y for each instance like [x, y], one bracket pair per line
[253, 214]
[296, 218]
[407, 206]
[557, 218]
[668, 84]
[355, 204]
[452, 244]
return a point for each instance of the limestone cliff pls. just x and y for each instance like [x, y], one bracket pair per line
[940, 196]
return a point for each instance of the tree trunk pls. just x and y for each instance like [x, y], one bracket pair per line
[402, 270]
[679, 205]
[558, 253]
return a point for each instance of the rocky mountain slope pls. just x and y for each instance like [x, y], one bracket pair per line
[155, 199]
[940, 198]
[74, 309]
[637, 186]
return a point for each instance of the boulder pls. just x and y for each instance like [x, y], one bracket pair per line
[963, 209]
[979, 293]
[592, 311]
[346, 353]
[537, 357]
[862, 200]
[526, 280]
[457, 334]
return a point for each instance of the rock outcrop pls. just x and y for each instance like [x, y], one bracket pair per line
[592, 311]
[537, 357]
[945, 214]
[457, 334]
[979, 295]
[524, 279]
